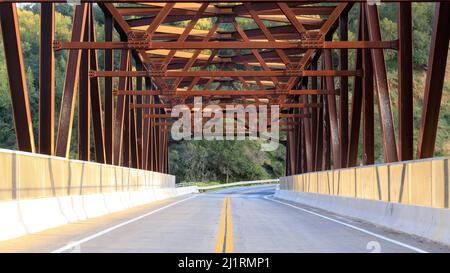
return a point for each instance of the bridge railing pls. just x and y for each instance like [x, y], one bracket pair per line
[236, 184]
[418, 182]
[29, 176]
[38, 192]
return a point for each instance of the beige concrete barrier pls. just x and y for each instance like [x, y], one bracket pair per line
[410, 197]
[38, 192]
[419, 182]
[29, 176]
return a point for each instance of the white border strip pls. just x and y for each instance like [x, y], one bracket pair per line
[352, 227]
[103, 232]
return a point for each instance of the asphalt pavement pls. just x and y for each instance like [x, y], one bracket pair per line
[244, 219]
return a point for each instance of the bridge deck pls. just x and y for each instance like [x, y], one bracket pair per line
[256, 224]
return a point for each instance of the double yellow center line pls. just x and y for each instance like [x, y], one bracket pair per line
[225, 238]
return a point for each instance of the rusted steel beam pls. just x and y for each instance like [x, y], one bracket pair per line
[303, 167]
[145, 129]
[84, 97]
[326, 138]
[152, 116]
[185, 34]
[120, 114]
[384, 103]
[270, 8]
[255, 52]
[124, 30]
[160, 148]
[405, 83]
[284, 32]
[119, 22]
[227, 92]
[192, 61]
[96, 101]
[134, 161]
[293, 138]
[124, 159]
[287, 158]
[166, 153]
[306, 130]
[368, 152]
[314, 111]
[47, 80]
[270, 44]
[324, 30]
[230, 125]
[434, 82]
[282, 105]
[201, 1]
[216, 74]
[155, 141]
[299, 159]
[343, 99]
[235, 132]
[357, 95]
[64, 133]
[165, 10]
[139, 119]
[290, 15]
[108, 96]
[267, 33]
[153, 11]
[16, 75]
[319, 139]
[332, 109]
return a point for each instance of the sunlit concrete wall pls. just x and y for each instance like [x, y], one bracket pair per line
[419, 182]
[30, 176]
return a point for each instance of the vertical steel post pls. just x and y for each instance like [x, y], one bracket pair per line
[405, 83]
[355, 123]
[384, 102]
[109, 97]
[47, 80]
[16, 76]
[343, 98]
[66, 113]
[434, 82]
[332, 111]
[84, 97]
[368, 103]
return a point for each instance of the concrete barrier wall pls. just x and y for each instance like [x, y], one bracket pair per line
[29, 176]
[427, 222]
[410, 197]
[419, 182]
[39, 192]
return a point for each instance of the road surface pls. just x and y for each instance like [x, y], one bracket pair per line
[245, 219]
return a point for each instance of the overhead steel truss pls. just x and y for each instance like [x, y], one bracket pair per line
[284, 58]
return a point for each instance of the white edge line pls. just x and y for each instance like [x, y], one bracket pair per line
[103, 232]
[352, 226]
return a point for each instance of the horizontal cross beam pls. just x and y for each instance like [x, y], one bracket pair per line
[306, 44]
[224, 105]
[199, 1]
[221, 73]
[226, 92]
[281, 115]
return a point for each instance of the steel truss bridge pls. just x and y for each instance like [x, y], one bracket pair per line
[294, 54]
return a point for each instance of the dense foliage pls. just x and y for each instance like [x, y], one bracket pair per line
[222, 160]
